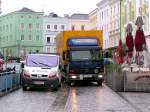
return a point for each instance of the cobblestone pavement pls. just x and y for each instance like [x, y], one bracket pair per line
[96, 99]
[140, 100]
[35, 100]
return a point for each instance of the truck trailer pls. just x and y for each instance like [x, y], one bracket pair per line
[81, 55]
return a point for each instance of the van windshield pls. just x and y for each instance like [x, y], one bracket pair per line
[42, 61]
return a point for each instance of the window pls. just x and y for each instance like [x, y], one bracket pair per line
[54, 39]
[7, 27]
[22, 37]
[30, 26]
[48, 49]
[54, 49]
[48, 39]
[82, 27]
[72, 27]
[37, 38]
[30, 38]
[10, 26]
[22, 25]
[37, 51]
[55, 27]
[62, 27]
[48, 27]
[37, 25]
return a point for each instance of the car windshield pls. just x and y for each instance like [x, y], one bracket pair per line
[86, 55]
[42, 61]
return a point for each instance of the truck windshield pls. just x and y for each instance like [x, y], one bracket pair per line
[86, 55]
[42, 61]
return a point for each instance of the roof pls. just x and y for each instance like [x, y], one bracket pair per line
[25, 9]
[102, 2]
[79, 16]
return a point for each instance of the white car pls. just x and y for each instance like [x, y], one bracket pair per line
[41, 70]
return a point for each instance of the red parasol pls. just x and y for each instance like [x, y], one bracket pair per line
[120, 58]
[130, 44]
[139, 40]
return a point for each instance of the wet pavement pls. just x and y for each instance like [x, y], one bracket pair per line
[139, 100]
[34, 100]
[83, 97]
[94, 98]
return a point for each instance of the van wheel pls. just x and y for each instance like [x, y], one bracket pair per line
[59, 85]
[62, 79]
[54, 89]
[99, 83]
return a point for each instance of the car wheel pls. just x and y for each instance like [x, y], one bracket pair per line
[99, 83]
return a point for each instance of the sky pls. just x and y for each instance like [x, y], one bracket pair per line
[59, 7]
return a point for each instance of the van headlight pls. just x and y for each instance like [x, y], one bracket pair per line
[52, 74]
[27, 73]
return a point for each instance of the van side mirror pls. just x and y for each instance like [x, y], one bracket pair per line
[60, 67]
[22, 65]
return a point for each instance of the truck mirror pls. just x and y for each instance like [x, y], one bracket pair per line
[63, 56]
[106, 55]
[67, 54]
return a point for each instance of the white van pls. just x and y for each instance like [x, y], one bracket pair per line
[41, 70]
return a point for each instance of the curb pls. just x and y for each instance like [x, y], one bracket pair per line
[9, 91]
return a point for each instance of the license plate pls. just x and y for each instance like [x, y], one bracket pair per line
[81, 77]
[87, 76]
[38, 82]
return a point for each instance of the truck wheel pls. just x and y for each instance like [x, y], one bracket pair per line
[24, 88]
[69, 83]
[99, 83]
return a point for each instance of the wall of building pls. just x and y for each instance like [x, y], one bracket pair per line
[93, 17]
[79, 23]
[50, 31]
[103, 21]
[21, 33]
[114, 26]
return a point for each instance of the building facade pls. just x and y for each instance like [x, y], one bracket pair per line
[53, 24]
[21, 32]
[0, 6]
[114, 25]
[93, 19]
[103, 21]
[130, 10]
[79, 22]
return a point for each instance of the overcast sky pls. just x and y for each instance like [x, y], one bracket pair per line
[60, 7]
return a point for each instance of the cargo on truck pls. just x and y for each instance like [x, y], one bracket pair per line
[81, 55]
